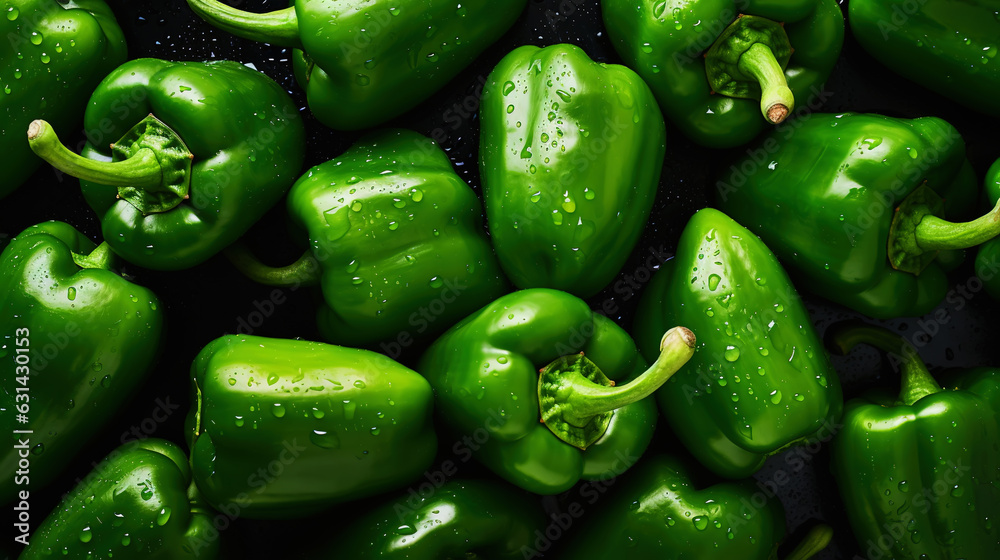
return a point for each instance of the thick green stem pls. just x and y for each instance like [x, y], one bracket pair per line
[587, 399]
[303, 272]
[916, 382]
[935, 234]
[280, 27]
[776, 100]
[815, 541]
[101, 257]
[142, 170]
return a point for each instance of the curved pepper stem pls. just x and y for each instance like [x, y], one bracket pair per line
[101, 257]
[151, 165]
[140, 170]
[748, 61]
[577, 400]
[916, 383]
[776, 99]
[936, 234]
[280, 27]
[816, 540]
[303, 272]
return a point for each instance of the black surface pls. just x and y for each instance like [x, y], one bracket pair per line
[212, 299]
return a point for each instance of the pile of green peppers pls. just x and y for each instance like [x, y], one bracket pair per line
[466, 371]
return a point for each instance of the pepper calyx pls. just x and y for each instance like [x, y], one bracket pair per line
[748, 60]
[577, 401]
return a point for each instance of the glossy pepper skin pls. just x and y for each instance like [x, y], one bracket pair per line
[396, 242]
[827, 196]
[363, 62]
[988, 257]
[658, 512]
[89, 335]
[59, 52]
[201, 151]
[570, 157]
[917, 470]
[942, 45]
[670, 44]
[138, 503]
[460, 519]
[485, 372]
[760, 380]
[337, 423]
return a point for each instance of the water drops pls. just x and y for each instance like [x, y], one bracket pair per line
[713, 281]
[278, 410]
[86, 535]
[732, 353]
[71, 293]
[508, 88]
[362, 79]
[35, 38]
[163, 517]
[700, 522]
[324, 439]
[775, 396]
[12, 13]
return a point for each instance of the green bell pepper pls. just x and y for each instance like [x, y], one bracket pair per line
[851, 204]
[137, 503]
[717, 65]
[286, 428]
[571, 153]
[760, 381]
[77, 340]
[363, 62]
[917, 469]
[59, 52]
[396, 243]
[943, 45]
[201, 151]
[988, 257]
[536, 369]
[459, 519]
[657, 512]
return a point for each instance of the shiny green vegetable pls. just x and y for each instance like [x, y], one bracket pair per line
[717, 66]
[659, 513]
[570, 157]
[944, 45]
[87, 336]
[536, 370]
[760, 381]
[363, 62]
[988, 257]
[460, 519]
[59, 52]
[286, 428]
[138, 503]
[396, 243]
[854, 206]
[917, 469]
[199, 152]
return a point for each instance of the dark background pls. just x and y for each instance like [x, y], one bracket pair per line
[213, 299]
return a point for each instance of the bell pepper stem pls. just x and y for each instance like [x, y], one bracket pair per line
[815, 541]
[588, 399]
[916, 382]
[303, 272]
[141, 170]
[280, 27]
[776, 100]
[101, 257]
[935, 234]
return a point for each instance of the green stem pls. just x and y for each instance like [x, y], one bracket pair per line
[776, 100]
[587, 399]
[935, 234]
[816, 540]
[142, 170]
[280, 27]
[101, 257]
[303, 272]
[916, 382]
